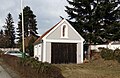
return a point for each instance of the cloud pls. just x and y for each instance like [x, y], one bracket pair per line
[47, 11]
[6, 5]
[1, 23]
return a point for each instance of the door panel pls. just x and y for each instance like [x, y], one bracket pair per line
[63, 53]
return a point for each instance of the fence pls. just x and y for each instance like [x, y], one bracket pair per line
[109, 46]
[8, 49]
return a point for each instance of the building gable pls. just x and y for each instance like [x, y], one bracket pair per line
[63, 31]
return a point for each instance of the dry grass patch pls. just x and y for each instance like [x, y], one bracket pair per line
[95, 69]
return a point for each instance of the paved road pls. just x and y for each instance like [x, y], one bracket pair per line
[3, 73]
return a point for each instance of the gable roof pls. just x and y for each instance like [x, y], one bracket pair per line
[53, 28]
[37, 41]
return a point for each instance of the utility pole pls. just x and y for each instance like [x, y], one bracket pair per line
[23, 45]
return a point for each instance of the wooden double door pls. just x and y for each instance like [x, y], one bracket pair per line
[63, 53]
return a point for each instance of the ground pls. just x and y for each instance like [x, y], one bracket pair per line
[7, 71]
[95, 69]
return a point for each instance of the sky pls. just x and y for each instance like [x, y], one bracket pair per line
[47, 12]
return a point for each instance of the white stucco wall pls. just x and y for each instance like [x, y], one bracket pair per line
[35, 51]
[79, 53]
[57, 34]
[39, 55]
[110, 46]
[48, 50]
[38, 51]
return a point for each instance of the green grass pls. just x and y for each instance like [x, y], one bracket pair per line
[94, 69]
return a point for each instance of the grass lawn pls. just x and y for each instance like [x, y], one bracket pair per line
[95, 69]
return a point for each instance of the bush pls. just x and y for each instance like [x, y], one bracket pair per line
[107, 54]
[31, 68]
[117, 54]
[1, 52]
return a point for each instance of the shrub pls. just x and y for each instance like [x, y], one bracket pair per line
[1, 52]
[117, 54]
[31, 68]
[107, 54]
[95, 55]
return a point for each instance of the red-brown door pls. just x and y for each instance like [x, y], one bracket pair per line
[63, 53]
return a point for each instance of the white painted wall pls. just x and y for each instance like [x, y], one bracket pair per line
[38, 51]
[110, 46]
[8, 49]
[35, 51]
[79, 53]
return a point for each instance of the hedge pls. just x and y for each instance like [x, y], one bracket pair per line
[109, 54]
[31, 68]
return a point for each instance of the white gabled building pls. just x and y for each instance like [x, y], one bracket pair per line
[60, 44]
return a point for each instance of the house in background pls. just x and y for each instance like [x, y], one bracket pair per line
[29, 40]
[60, 44]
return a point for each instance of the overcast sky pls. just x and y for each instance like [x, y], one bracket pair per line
[47, 11]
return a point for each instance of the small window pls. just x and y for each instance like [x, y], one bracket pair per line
[64, 31]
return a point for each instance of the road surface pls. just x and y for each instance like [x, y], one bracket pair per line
[3, 73]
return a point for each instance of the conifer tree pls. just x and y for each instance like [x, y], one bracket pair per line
[1, 32]
[95, 19]
[30, 23]
[9, 31]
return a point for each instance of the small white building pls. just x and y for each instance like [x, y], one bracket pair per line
[60, 44]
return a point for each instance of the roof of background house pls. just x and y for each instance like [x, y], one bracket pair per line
[29, 38]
